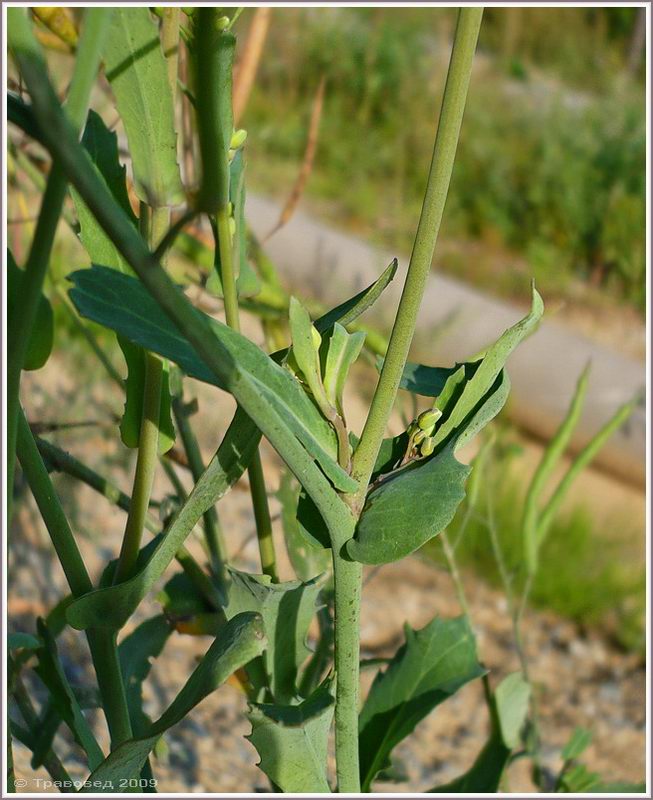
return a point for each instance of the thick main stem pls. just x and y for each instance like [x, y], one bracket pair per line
[346, 574]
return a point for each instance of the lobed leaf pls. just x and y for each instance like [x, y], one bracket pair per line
[287, 610]
[292, 741]
[137, 71]
[429, 668]
[241, 640]
[111, 607]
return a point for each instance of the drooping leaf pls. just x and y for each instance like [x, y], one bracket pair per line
[287, 610]
[408, 508]
[51, 672]
[41, 336]
[430, 667]
[509, 707]
[102, 147]
[241, 640]
[307, 559]
[135, 653]
[292, 741]
[137, 71]
[112, 606]
[43, 734]
[122, 303]
[421, 379]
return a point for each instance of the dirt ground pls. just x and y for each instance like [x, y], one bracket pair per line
[580, 678]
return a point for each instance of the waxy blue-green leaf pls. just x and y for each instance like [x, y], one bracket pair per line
[292, 742]
[343, 349]
[490, 366]
[20, 641]
[112, 606]
[428, 669]
[241, 640]
[421, 379]
[41, 336]
[306, 350]
[308, 560]
[122, 303]
[51, 672]
[137, 71]
[408, 508]
[136, 652]
[287, 610]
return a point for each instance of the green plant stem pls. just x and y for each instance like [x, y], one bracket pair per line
[444, 151]
[212, 532]
[27, 57]
[17, 689]
[148, 444]
[255, 470]
[64, 462]
[347, 576]
[101, 643]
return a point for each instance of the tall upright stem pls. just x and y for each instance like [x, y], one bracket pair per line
[86, 66]
[348, 575]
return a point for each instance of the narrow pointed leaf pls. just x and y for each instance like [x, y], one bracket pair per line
[287, 610]
[292, 742]
[344, 349]
[122, 303]
[306, 350]
[511, 699]
[112, 606]
[51, 672]
[393, 524]
[428, 669]
[137, 71]
[241, 640]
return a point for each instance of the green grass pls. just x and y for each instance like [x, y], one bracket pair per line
[549, 176]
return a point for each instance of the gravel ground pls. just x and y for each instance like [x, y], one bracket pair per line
[580, 678]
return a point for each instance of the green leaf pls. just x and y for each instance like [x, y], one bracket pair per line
[351, 309]
[509, 707]
[343, 349]
[512, 697]
[489, 369]
[287, 610]
[137, 71]
[408, 508]
[420, 379]
[292, 742]
[22, 641]
[307, 559]
[306, 351]
[136, 652]
[121, 303]
[50, 671]
[428, 669]
[102, 147]
[112, 606]
[578, 742]
[41, 336]
[241, 640]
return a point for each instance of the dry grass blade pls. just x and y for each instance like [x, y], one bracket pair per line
[307, 163]
[247, 67]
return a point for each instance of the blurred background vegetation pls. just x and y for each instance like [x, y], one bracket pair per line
[550, 175]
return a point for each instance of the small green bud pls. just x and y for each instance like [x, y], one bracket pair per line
[428, 446]
[427, 419]
[238, 139]
[412, 428]
[222, 23]
[418, 437]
